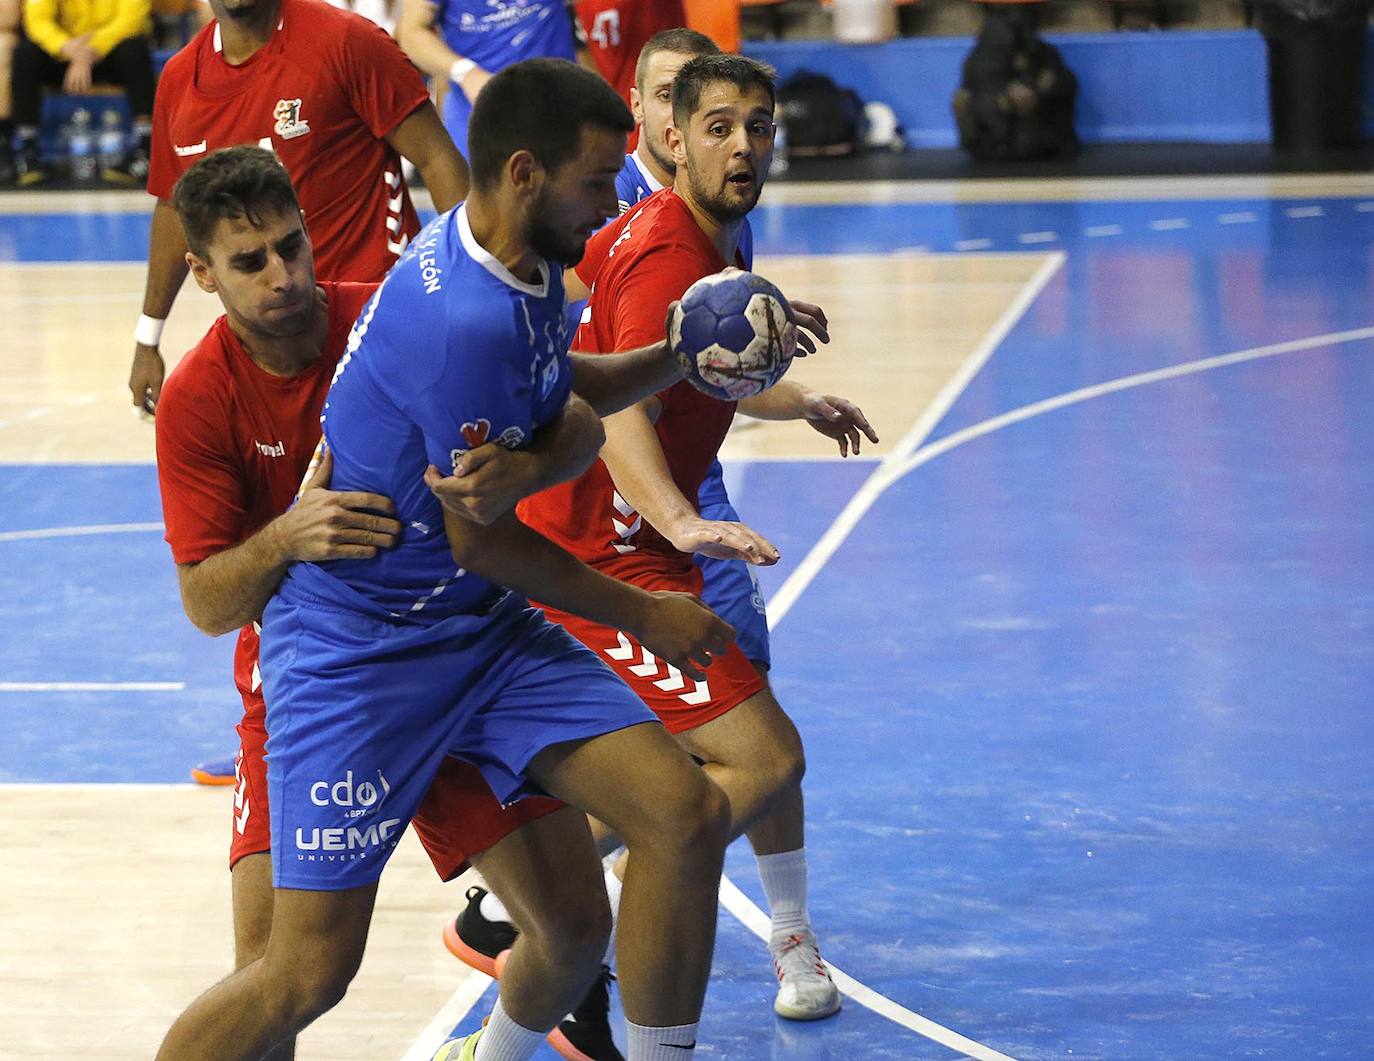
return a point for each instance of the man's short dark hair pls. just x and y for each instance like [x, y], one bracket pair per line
[539, 106]
[241, 181]
[696, 74]
[680, 41]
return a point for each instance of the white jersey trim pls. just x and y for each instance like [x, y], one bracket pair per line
[649, 180]
[487, 261]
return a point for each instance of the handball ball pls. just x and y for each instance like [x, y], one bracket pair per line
[734, 335]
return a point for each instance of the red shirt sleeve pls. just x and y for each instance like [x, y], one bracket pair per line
[641, 298]
[382, 84]
[162, 163]
[594, 254]
[203, 502]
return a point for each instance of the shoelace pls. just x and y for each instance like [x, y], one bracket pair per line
[799, 956]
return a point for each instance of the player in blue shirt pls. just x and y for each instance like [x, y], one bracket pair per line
[465, 42]
[374, 669]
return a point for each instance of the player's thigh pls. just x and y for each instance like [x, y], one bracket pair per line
[756, 732]
[547, 871]
[318, 937]
[637, 781]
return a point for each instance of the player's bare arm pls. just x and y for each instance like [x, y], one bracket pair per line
[224, 591]
[832, 416]
[419, 39]
[634, 457]
[488, 481]
[423, 139]
[167, 270]
[676, 627]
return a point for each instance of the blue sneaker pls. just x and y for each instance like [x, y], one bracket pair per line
[214, 772]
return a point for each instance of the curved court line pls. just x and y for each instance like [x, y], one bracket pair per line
[758, 922]
[78, 532]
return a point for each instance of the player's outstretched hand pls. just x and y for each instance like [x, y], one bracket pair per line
[486, 483]
[724, 541]
[810, 318]
[680, 630]
[329, 524]
[838, 418]
[145, 379]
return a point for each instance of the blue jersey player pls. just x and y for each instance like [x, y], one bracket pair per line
[465, 42]
[374, 669]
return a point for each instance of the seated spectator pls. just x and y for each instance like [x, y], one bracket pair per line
[1016, 99]
[74, 44]
[9, 37]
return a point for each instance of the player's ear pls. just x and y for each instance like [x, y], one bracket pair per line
[200, 269]
[636, 105]
[676, 147]
[523, 169]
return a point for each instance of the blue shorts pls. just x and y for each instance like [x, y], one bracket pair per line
[362, 709]
[732, 589]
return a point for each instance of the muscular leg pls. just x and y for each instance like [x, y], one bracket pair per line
[251, 881]
[551, 883]
[313, 952]
[644, 787]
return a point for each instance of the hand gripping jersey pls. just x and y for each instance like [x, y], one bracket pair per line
[451, 352]
[322, 93]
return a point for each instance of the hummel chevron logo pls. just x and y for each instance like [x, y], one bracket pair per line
[625, 530]
[649, 665]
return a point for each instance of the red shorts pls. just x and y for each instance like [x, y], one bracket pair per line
[679, 702]
[459, 817]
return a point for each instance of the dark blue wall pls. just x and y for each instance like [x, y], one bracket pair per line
[1188, 85]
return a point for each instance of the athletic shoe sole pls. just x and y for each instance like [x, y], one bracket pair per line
[202, 777]
[788, 1013]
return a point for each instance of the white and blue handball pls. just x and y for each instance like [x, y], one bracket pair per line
[734, 334]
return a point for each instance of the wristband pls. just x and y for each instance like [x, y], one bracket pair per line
[460, 69]
[148, 330]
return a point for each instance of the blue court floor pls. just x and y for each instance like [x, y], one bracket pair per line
[1086, 685]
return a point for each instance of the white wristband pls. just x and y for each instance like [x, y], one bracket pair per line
[460, 69]
[148, 330]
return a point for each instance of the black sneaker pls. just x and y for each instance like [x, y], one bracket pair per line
[33, 171]
[585, 1033]
[131, 171]
[476, 941]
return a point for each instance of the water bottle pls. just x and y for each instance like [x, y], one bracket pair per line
[780, 159]
[81, 147]
[110, 143]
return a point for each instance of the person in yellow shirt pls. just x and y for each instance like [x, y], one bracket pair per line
[75, 43]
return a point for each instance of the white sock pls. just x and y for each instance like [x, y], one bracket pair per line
[784, 882]
[613, 889]
[662, 1044]
[492, 908]
[504, 1040]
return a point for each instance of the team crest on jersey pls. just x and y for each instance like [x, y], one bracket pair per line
[289, 122]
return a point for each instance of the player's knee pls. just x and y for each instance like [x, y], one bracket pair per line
[306, 989]
[576, 935]
[703, 816]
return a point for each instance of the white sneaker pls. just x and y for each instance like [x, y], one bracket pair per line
[805, 990]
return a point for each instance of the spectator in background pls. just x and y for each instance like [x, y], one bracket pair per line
[9, 37]
[1016, 98]
[467, 41]
[74, 44]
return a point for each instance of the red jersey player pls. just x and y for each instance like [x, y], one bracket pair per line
[337, 100]
[616, 31]
[238, 423]
[630, 515]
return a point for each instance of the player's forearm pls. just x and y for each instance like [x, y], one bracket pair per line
[224, 591]
[167, 266]
[612, 382]
[634, 457]
[567, 447]
[510, 554]
[783, 401]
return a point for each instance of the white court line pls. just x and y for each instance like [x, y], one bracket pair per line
[757, 922]
[742, 908]
[78, 532]
[91, 687]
